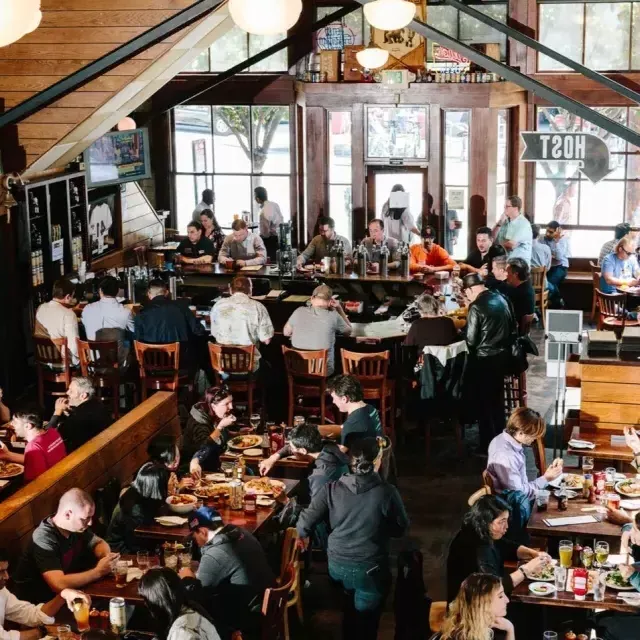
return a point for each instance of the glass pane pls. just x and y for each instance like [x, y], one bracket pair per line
[607, 35]
[602, 203]
[413, 184]
[192, 139]
[233, 196]
[503, 146]
[460, 248]
[277, 190]
[340, 208]
[635, 37]
[188, 194]
[633, 166]
[587, 244]
[345, 32]
[560, 30]
[201, 63]
[397, 132]
[232, 140]
[443, 19]
[340, 147]
[556, 200]
[473, 31]
[230, 49]
[501, 196]
[632, 215]
[617, 114]
[557, 120]
[276, 61]
[456, 147]
[634, 114]
[271, 140]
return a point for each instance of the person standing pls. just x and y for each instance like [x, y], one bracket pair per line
[211, 231]
[270, 219]
[244, 248]
[207, 202]
[325, 243]
[513, 230]
[399, 221]
[452, 228]
[558, 243]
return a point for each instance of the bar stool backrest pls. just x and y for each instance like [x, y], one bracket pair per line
[305, 364]
[231, 358]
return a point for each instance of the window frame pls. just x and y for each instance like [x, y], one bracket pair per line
[330, 181]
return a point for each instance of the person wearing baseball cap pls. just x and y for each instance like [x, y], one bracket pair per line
[233, 572]
[429, 257]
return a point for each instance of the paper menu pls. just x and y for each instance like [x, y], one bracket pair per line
[561, 522]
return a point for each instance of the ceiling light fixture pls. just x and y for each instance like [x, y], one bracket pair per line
[389, 15]
[126, 124]
[265, 17]
[372, 57]
[17, 19]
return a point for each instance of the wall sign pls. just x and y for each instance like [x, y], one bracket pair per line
[444, 54]
[590, 152]
[455, 198]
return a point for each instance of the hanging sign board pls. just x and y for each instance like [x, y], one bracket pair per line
[590, 152]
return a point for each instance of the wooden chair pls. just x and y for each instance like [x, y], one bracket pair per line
[612, 312]
[476, 495]
[539, 455]
[237, 361]
[372, 370]
[99, 361]
[515, 393]
[595, 274]
[539, 282]
[274, 608]
[525, 324]
[306, 379]
[53, 366]
[437, 614]
[290, 558]
[160, 367]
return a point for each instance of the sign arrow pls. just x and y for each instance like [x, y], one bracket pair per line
[589, 151]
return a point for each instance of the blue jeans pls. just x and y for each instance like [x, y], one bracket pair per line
[520, 506]
[555, 277]
[366, 586]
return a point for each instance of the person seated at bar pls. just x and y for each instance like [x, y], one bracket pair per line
[28, 614]
[164, 450]
[558, 242]
[429, 257]
[270, 219]
[211, 231]
[81, 415]
[620, 268]
[108, 319]
[242, 248]
[206, 434]
[44, 444]
[507, 467]
[620, 231]
[378, 239]
[5, 414]
[56, 319]
[195, 248]
[207, 202]
[363, 420]
[513, 230]
[483, 254]
[480, 547]
[314, 326]
[63, 552]
[138, 505]
[233, 572]
[519, 289]
[365, 512]
[431, 328]
[325, 243]
[399, 220]
[540, 252]
[175, 615]
[240, 320]
[479, 607]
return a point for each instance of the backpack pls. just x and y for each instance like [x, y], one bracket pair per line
[411, 603]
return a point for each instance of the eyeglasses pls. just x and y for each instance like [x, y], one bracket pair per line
[629, 253]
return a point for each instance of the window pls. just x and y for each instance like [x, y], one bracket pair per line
[237, 45]
[231, 150]
[340, 207]
[397, 132]
[467, 29]
[502, 166]
[576, 30]
[351, 29]
[589, 211]
[456, 172]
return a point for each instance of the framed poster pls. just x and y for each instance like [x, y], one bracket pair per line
[102, 217]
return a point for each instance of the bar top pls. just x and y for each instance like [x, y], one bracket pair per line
[615, 360]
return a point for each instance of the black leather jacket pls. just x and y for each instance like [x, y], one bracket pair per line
[490, 325]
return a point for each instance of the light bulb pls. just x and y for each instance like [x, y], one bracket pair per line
[372, 57]
[389, 15]
[126, 124]
[265, 17]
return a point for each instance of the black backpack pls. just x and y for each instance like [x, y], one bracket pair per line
[412, 605]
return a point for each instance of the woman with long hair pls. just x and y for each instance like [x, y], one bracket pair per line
[138, 505]
[206, 434]
[364, 512]
[211, 230]
[478, 609]
[164, 450]
[398, 221]
[174, 615]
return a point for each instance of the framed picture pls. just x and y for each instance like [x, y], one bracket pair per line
[102, 218]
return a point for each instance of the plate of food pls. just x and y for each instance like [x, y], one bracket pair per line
[211, 490]
[10, 469]
[182, 503]
[544, 574]
[615, 580]
[253, 453]
[570, 493]
[265, 486]
[629, 488]
[571, 481]
[542, 588]
[245, 442]
[265, 501]
[215, 477]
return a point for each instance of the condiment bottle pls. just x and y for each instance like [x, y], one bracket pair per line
[580, 583]
[250, 502]
[587, 484]
[384, 261]
[577, 554]
[593, 498]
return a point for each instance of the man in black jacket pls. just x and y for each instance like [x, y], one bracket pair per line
[490, 332]
[515, 285]
[80, 416]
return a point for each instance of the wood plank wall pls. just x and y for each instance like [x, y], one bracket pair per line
[139, 221]
[72, 34]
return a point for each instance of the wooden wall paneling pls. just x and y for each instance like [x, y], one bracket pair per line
[358, 175]
[116, 5]
[102, 19]
[317, 183]
[435, 177]
[517, 124]
[609, 412]
[161, 161]
[298, 234]
[293, 166]
[621, 392]
[611, 373]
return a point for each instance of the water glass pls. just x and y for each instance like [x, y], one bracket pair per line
[542, 499]
[560, 575]
[254, 420]
[599, 586]
[185, 559]
[63, 632]
[549, 635]
[122, 567]
[142, 558]
[170, 559]
[610, 474]
[154, 562]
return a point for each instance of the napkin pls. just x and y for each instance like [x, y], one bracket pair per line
[630, 598]
[3, 483]
[581, 444]
[134, 574]
[171, 520]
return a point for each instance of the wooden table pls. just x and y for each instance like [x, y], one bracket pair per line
[105, 588]
[252, 522]
[566, 599]
[604, 450]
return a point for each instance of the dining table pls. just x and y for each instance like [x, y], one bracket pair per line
[605, 448]
[106, 588]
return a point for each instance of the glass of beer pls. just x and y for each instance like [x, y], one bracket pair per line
[565, 550]
[122, 566]
[602, 552]
[63, 632]
[81, 614]
[587, 557]
[142, 558]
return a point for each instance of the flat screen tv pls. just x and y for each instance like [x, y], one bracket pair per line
[121, 156]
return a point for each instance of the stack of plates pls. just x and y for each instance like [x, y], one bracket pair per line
[630, 344]
[602, 343]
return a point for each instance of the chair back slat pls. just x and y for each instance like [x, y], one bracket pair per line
[98, 358]
[371, 369]
[538, 277]
[611, 305]
[51, 351]
[274, 608]
[231, 358]
[155, 359]
[305, 364]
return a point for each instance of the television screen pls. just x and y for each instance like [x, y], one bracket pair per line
[102, 215]
[121, 156]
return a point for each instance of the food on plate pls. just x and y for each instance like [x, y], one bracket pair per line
[9, 469]
[616, 581]
[215, 477]
[211, 490]
[245, 442]
[458, 313]
[181, 499]
[544, 574]
[629, 488]
[574, 481]
[265, 486]
[541, 588]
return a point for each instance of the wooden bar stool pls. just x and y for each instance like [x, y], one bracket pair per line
[53, 366]
[237, 362]
[274, 608]
[372, 370]
[306, 378]
[539, 283]
[612, 312]
[160, 368]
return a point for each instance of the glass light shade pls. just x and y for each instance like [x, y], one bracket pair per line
[389, 15]
[372, 57]
[34, 21]
[126, 124]
[18, 18]
[265, 17]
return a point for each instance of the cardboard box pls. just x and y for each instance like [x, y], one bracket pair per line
[330, 65]
[491, 49]
[352, 69]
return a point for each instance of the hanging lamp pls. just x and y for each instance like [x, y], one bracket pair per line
[389, 15]
[265, 17]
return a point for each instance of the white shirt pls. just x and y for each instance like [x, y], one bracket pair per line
[54, 320]
[202, 206]
[21, 612]
[270, 218]
[100, 225]
[102, 317]
[399, 229]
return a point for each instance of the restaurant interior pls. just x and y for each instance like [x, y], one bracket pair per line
[351, 157]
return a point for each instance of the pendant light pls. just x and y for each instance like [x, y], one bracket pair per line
[17, 18]
[372, 57]
[126, 124]
[389, 15]
[265, 17]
